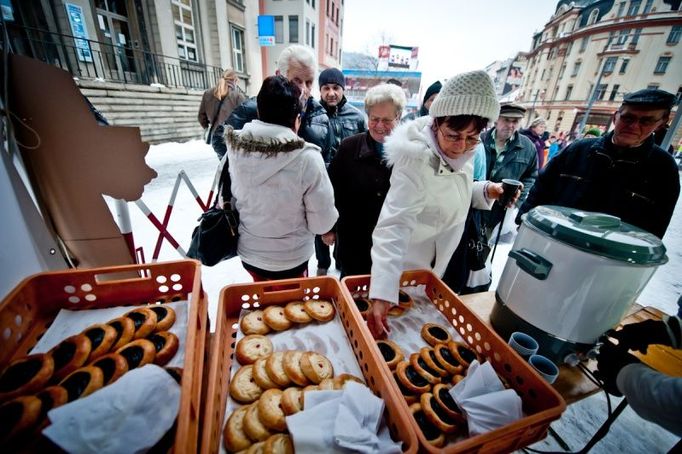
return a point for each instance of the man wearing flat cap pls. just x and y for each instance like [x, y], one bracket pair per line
[622, 173]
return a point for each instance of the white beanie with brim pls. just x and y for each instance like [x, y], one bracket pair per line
[469, 93]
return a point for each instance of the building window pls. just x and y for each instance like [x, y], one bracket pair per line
[634, 7]
[331, 46]
[624, 66]
[328, 8]
[542, 76]
[662, 65]
[569, 48]
[576, 68]
[610, 64]
[313, 4]
[635, 36]
[279, 29]
[674, 36]
[653, 86]
[307, 32]
[601, 91]
[594, 14]
[623, 36]
[583, 43]
[237, 49]
[614, 92]
[312, 36]
[293, 29]
[552, 51]
[647, 6]
[569, 90]
[561, 71]
[621, 9]
[184, 29]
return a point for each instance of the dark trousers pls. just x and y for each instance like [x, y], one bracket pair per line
[322, 255]
[260, 275]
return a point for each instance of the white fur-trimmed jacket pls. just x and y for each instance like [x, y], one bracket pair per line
[423, 217]
[283, 195]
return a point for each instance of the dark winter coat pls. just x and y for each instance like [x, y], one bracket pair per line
[361, 180]
[639, 185]
[539, 143]
[345, 121]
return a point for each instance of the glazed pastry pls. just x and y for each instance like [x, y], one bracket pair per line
[176, 373]
[320, 310]
[165, 316]
[431, 433]
[410, 379]
[253, 425]
[113, 367]
[138, 353]
[295, 311]
[462, 353]
[327, 385]
[253, 323]
[391, 353]
[52, 397]
[292, 367]
[252, 347]
[270, 410]
[429, 357]
[316, 367]
[242, 387]
[423, 369]
[434, 333]
[445, 359]
[274, 317]
[409, 396]
[234, 437]
[364, 305]
[25, 375]
[456, 379]
[447, 403]
[102, 339]
[278, 444]
[274, 366]
[125, 329]
[256, 448]
[18, 416]
[145, 321]
[341, 380]
[292, 400]
[69, 355]
[83, 382]
[166, 345]
[404, 300]
[396, 310]
[310, 388]
[260, 375]
[436, 415]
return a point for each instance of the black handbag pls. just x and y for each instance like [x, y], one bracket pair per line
[216, 237]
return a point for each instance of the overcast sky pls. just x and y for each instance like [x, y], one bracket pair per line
[453, 36]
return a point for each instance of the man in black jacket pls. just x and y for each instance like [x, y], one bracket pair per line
[623, 173]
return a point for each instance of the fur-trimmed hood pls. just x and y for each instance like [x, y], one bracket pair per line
[412, 141]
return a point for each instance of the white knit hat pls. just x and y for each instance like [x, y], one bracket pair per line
[469, 93]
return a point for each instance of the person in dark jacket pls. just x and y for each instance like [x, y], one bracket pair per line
[535, 133]
[429, 97]
[623, 173]
[360, 178]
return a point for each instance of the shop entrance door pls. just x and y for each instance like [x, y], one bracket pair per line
[117, 52]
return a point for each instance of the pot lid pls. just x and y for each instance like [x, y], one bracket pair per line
[598, 233]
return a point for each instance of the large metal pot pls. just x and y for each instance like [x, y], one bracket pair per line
[571, 276]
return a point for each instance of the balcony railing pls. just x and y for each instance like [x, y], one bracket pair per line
[89, 59]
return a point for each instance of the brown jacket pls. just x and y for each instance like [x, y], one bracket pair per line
[209, 104]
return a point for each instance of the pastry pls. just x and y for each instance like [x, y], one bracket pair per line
[278, 444]
[166, 345]
[462, 353]
[102, 339]
[292, 367]
[145, 321]
[252, 347]
[52, 397]
[320, 310]
[429, 357]
[274, 366]
[69, 355]
[316, 367]
[456, 379]
[404, 300]
[18, 416]
[341, 380]
[274, 317]
[253, 323]
[270, 410]
[364, 305]
[410, 379]
[176, 373]
[242, 386]
[410, 397]
[113, 367]
[138, 353]
[234, 437]
[310, 388]
[434, 333]
[431, 433]
[83, 382]
[295, 311]
[395, 310]
[445, 359]
[253, 425]
[423, 369]
[125, 329]
[165, 316]
[292, 400]
[260, 375]
[391, 353]
[327, 385]
[447, 403]
[256, 448]
[25, 375]
[436, 415]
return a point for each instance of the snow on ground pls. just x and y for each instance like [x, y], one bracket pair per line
[629, 434]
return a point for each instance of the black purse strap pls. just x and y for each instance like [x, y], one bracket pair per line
[217, 112]
[225, 182]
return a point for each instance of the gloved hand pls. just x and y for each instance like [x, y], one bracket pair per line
[612, 358]
[638, 336]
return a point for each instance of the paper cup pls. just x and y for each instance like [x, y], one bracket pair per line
[523, 344]
[510, 187]
[546, 368]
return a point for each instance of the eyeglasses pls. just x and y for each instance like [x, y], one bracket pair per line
[454, 138]
[630, 119]
[384, 121]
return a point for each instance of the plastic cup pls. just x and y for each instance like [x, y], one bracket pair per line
[546, 368]
[523, 344]
[510, 187]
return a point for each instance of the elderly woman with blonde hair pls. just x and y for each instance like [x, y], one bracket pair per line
[360, 177]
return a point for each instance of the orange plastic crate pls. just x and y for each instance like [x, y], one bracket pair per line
[541, 403]
[235, 297]
[27, 312]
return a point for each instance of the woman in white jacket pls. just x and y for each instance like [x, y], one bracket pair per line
[422, 219]
[280, 186]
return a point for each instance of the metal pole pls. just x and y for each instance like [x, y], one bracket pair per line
[532, 108]
[673, 126]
